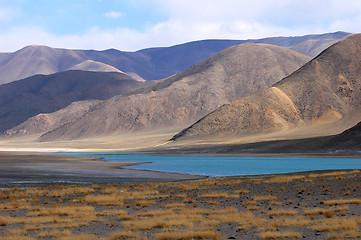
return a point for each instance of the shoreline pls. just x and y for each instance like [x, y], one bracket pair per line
[44, 169]
[206, 152]
[270, 155]
[34, 170]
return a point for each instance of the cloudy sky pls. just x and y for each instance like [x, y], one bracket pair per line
[135, 24]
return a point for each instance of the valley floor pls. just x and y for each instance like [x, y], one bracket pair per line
[88, 200]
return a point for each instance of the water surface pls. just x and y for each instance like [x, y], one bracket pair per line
[226, 166]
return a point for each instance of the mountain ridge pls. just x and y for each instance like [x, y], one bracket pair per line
[22, 99]
[324, 93]
[149, 64]
[180, 99]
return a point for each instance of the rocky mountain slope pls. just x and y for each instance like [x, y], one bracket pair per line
[236, 72]
[26, 98]
[321, 98]
[149, 64]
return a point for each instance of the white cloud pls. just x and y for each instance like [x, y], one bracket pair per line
[189, 20]
[113, 14]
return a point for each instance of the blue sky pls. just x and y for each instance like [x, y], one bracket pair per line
[136, 24]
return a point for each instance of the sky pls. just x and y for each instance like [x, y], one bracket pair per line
[130, 25]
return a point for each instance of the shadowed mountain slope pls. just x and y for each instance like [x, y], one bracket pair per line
[236, 72]
[321, 98]
[26, 98]
[347, 142]
[149, 64]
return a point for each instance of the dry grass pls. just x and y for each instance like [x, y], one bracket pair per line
[341, 209]
[15, 232]
[276, 204]
[318, 211]
[144, 203]
[287, 222]
[249, 203]
[212, 202]
[175, 206]
[54, 234]
[264, 198]
[17, 238]
[282, 212]
[104, 200]
[123, 235]
[344, 235]
[335, 224]
[159, 222]
[337, 173]
[218, 195]
[341, 201]
[252, 208]
[184, 210]
[241, 191]
[279, 235]
[82, 237]
[188, 235]
[4, 220]
[284, 179]
[112, 212]
[64, 211]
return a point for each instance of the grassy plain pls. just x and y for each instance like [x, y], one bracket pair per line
[317, 205]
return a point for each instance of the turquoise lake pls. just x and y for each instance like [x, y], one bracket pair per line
[226, 166]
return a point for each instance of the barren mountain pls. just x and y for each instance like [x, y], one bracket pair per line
[149, 64]
[44, 122]
[33, 60]
[310, 45]
[347, 142]
[236, 72]
[321, 98]
[26, 98]
[94, 66]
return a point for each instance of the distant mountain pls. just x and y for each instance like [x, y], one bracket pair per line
[321, 98]
[26, 98]
[310, 45]
[233, 73]
[149, 64]
[94, 66]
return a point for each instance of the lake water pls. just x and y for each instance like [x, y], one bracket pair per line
[226, 166]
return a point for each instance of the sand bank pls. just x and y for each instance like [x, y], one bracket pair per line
[28, 169]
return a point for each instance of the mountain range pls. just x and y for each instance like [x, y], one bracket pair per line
[26, 98]
[148, 64]
[321, 98]
[185, 97]
[249, 92]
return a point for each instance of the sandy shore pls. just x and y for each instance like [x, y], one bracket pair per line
[33, 170]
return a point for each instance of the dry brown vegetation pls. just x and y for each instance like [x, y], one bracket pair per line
[270, 207]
